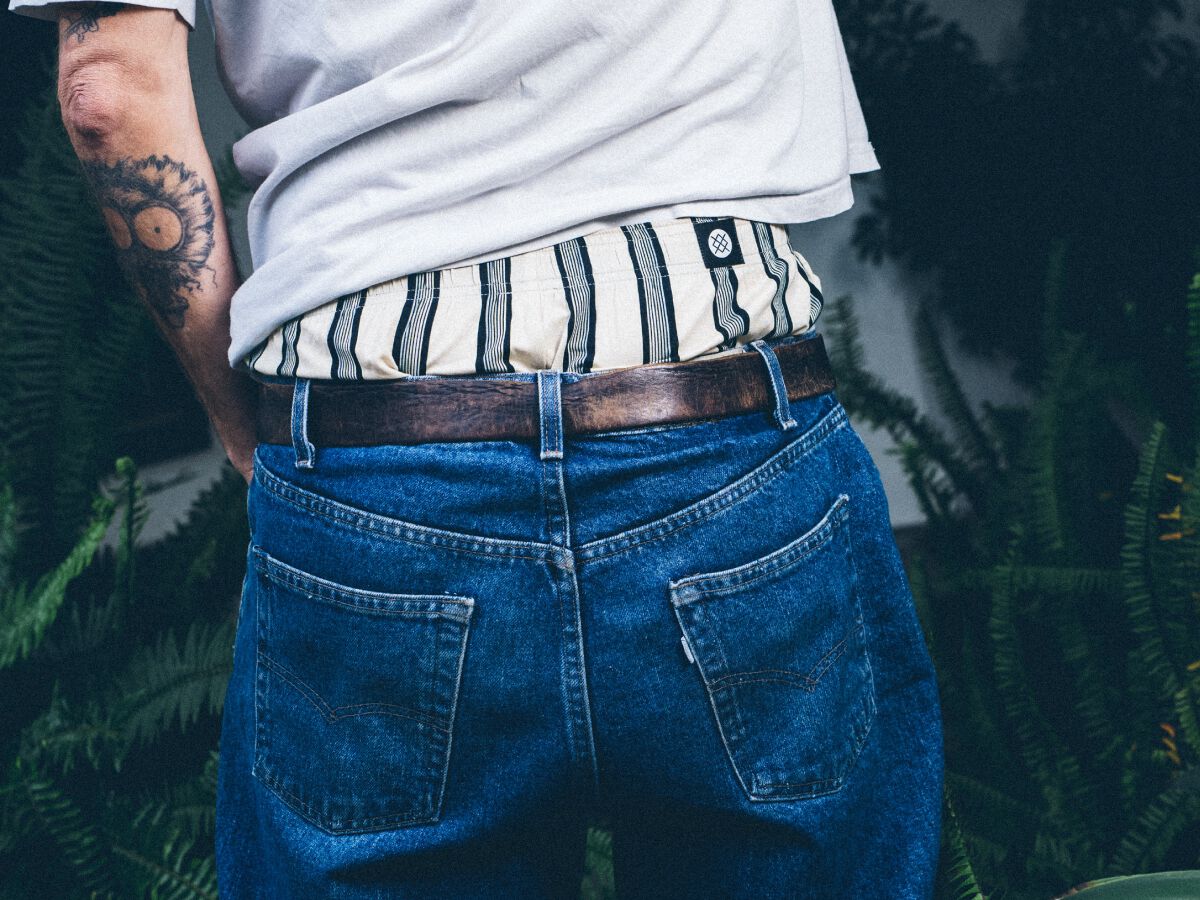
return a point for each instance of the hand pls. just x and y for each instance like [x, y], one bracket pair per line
[243, 461]
[239, 445]
[232, 419]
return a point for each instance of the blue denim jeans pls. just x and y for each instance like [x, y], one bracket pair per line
[451, 658]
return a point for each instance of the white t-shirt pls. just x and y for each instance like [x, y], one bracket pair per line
[399, 137]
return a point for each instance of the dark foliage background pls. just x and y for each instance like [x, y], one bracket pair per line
[1048, 205]
[1087, 134]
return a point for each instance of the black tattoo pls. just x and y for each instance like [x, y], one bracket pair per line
[85, 20]
[161, 218]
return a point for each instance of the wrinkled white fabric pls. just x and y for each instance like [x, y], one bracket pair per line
[398, 137]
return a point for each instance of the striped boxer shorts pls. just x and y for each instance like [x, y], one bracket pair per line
[649, 292]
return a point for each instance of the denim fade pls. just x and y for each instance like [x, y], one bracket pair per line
[451, 658]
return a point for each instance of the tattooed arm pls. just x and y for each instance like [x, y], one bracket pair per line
[125, 93]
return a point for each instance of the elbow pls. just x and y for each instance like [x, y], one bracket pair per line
[94, 102]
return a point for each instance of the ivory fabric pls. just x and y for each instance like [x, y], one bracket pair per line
[624, 296]
[390, 138]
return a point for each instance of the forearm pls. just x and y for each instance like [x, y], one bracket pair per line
[134, 127]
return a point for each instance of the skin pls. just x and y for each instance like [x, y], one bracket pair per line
[125, 93]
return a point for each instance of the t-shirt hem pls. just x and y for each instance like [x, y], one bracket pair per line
[821, 203]
[48, 10]
[863, 159]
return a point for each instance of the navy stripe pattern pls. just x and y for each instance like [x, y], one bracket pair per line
[660, 342]
[343, 334]
[729, 318]
[628, 295]
[289, 361]
[579, 288]
[777, 271]
[410, 345]
[495, 323]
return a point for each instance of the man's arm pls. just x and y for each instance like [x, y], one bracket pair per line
[125, 92]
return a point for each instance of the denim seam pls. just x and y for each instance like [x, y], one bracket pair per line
[423, 535]
[269, 568]
[358, 607]
[399, 529]
[834, 784]
[330, 713]
[308, 812]
[837, 782]
[724, 498]
[444, 763]
[773, 563]
[567, 679]
[832, 655]
[807, 683]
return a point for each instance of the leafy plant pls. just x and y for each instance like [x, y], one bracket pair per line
[986, 164]
[1057, 586]
[86, 376]
[108, 748]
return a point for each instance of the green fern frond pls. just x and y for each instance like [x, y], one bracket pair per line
[82, 629]
[1048, 457]
[69, 731]
[1067, 581]
[1138, 558]
[1147, 843]
[1188, 716]
[80, 842]
[10, 528]
[865, 396]
[1051, 764]
[190, 807]
[172, 683]
[163, 861]
[957, 880]
[134, 520]
[598, 872]
[1066, 860]
[985, 802]
[979, 446]
[25, 615]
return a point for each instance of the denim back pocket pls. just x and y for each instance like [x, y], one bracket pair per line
[780, 646]
[355, 698]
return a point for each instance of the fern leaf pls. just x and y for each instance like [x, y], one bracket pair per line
[1050, 762]
[172, 683]
[68, 730]
[177, 871]
[956, 874]
[979, 446]
[81, 843]
[1147, 843]
[25, 615]
[1137, 565]
[865, 396]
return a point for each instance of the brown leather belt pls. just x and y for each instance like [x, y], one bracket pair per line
[452, 408]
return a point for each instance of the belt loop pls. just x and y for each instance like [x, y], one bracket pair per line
[783, 412]
[550, 429]
[305, 451]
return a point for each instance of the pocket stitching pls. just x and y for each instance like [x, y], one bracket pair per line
[691, 588]
[778, 561]
[330, 713]
[432, 796]
[724, 498]
[327, 591]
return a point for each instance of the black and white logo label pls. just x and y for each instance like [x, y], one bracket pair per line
[718, 242]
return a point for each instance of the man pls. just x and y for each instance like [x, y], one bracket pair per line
[554, 511]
